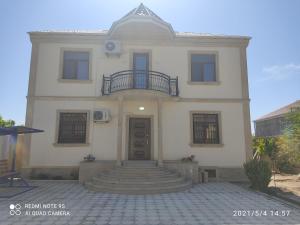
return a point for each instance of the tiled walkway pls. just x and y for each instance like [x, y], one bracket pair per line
[211, 203]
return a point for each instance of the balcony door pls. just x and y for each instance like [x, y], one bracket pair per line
[140, 70]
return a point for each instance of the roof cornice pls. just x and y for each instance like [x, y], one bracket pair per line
[96, 37]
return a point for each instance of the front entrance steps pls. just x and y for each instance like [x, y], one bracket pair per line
[138, 177]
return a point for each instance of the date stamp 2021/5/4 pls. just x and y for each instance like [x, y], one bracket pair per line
[258, 213]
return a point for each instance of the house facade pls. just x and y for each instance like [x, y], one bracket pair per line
[275, 123]
[164, 95]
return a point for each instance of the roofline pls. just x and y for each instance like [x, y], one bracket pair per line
[289, 106]
[272, 117]
[138, 18]
[105, 33]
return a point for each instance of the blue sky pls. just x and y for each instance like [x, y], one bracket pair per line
[273, 53]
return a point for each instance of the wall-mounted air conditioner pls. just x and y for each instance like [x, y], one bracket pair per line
[112, 47]
[101, 116]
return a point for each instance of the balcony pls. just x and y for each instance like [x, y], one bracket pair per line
[140, 79]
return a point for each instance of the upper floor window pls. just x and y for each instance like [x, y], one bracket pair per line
[205, 128]
[72, 128]
[203, 68]
[76, 65]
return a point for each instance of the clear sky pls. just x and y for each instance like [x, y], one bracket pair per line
[273, 53]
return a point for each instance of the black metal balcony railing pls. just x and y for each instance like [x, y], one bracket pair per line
[140, 79]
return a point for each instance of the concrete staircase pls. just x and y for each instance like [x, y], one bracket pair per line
[138, 177]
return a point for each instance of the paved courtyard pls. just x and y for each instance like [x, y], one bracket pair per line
[67, 202]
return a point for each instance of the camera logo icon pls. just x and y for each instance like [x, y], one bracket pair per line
[15, 209]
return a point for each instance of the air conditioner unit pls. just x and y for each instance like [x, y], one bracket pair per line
[112, 47]
[101, 116]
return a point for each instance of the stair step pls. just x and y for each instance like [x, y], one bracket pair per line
[137, 186]
[138, 177]
[138, 173]
[143, 182]
[137, 190]
[125, 168]
[139, 162]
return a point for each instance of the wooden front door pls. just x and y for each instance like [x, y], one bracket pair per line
[139, 139]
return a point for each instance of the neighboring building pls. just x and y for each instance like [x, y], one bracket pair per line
[274, 123]
[164, 95]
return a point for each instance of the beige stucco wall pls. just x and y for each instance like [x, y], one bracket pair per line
[103, 138]
[44, 152]
[177, 134]
[172, 60]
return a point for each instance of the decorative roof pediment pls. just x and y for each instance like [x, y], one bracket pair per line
[141, 23]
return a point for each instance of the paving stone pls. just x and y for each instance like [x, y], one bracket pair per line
[210, 203]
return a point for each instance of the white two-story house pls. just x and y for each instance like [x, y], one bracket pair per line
[138, 91]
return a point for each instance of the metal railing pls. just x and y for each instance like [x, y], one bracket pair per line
[140, 79]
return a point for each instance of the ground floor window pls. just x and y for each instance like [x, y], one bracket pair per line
[72, 128]
[205, 128]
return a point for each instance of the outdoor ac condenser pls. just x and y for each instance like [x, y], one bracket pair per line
[112, 47]
[101, 116]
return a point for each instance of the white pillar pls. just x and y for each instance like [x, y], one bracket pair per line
[159, 132]
[120, 128]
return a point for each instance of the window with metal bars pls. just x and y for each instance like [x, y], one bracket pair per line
[72, 128]
[205, 128]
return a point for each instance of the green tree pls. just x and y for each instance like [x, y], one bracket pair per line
[258, 144]
[265, 146]
[6, 123]
[292, 132]
[289, 154]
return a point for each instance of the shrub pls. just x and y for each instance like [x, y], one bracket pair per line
[288, 157]
[42, 176]
[74, 175]
[259, 174]
[57, 178]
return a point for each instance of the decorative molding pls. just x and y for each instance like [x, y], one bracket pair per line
[246, 107]
[160, 154]
[203, 83]
[206, 145]
[107, 98]
[99, 39]
[30, 102]
[71, 145]
[120, 130]
[213, 100]
[61, 80]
